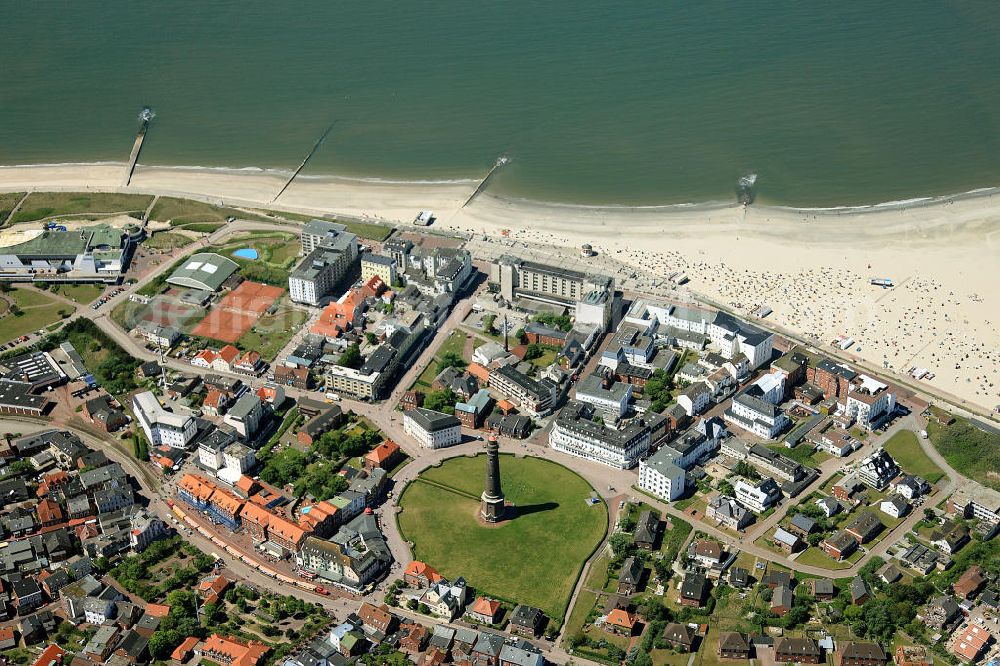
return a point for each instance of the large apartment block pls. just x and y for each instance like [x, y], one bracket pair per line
[577, 433]
[590, 294]
[162, 427]
[330, 252]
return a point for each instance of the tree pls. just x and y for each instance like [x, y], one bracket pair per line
[15, 310]
[371, 338]
[451, 360]
[726, 488]
[746, 470]
[533, 351]
[351, 358]
[442, 400]
[621, 545]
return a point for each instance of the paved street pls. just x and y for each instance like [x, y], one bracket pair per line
[609, 483]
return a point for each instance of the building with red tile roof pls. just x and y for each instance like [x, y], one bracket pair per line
[970, 642]
[320, 518]
[246, 485]
[184, 650]
[969, 582]
[336, 317]
[621, 622]
[215, 402]
[53, 654]
[204, 359]
[285, 533]
[479, 372]
[212, 588]
[234, 652]
[49, 512]
[484, 610]
[421, 575]
[383, 456]
[255, 520]
[157, 610]
[196, 490]
[272, 394]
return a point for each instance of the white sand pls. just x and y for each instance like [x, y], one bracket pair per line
[812, 267]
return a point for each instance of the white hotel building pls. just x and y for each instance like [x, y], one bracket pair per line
[162, 427]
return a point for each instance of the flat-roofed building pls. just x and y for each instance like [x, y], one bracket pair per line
[100, 253]
[330, 252]
[206, 271]
[162, 427]
[609, 398]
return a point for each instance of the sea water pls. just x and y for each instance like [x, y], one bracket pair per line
[643, 102]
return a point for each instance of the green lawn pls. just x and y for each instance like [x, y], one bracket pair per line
[81, 293]
[378, 232]
[165, 240]
[180, 212]
[271, 332]
[972, 452]
[817, 558]
[38, 310]
[804, 453]
[7, 202]
[904, 447]
[455, 343]
[40, 205]
[534, 558]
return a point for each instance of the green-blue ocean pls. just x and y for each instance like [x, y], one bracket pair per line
[640, 102]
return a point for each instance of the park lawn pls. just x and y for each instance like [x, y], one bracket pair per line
[166, 240]
[814, 556]
[40, 205]
[81, 293]
[535, 558]
[454, 343]
[904, 447]
[803, 454]
[180, 212]
[371, 231]
[39, 310]
[7, 202]
[547, 358]
[271, 332]
[972, 452]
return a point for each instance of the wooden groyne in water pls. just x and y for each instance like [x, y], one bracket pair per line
[482, 185]
[134, 157]
[295, 173]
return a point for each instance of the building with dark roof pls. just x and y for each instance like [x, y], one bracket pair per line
[432, 429]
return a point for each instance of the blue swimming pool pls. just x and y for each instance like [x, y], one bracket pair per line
[246, 253]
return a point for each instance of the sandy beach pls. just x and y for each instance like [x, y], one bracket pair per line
[811, 267]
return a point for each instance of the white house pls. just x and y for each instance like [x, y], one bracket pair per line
[878, 469]
[756, 415]
[869, 401]
[727, 511]
[239, 457]
[661, 476]
[759, 497]
[162, 427]
[610, 399]
[909, 486]
[433, 430]
[694, 399]
[828, 505]
[894, 506]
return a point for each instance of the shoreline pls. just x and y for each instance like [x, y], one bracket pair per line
[811, 267]
[895, 204]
